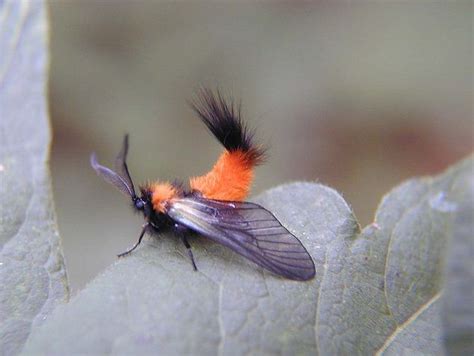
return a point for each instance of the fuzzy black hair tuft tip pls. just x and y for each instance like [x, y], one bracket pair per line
[224, 120]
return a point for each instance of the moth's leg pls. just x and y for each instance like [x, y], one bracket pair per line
[144, 228]
[188, 248]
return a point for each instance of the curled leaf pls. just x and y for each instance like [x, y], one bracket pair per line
[32, 273]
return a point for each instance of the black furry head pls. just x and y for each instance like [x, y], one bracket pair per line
[225, 123]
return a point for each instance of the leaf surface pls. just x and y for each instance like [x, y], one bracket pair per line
[32, 273]
[458, 307]
[375, 291]
[152, 301]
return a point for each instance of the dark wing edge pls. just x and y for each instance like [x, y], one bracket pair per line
[248, 229]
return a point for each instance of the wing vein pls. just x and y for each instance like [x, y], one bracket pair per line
[247, 229]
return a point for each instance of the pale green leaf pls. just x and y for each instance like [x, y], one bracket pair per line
[32, 273]
[152, 301]
[458, 303]
[377, 291]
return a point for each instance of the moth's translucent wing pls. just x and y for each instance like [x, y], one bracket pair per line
[249, 230]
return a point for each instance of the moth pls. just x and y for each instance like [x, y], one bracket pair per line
[213, 206]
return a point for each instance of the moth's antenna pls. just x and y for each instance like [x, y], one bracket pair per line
[121, 165]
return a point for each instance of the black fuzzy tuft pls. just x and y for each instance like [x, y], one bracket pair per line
[225, 123]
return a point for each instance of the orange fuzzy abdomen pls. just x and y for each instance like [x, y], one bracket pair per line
[229, 179]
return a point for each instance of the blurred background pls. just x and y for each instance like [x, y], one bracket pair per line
[358, 96]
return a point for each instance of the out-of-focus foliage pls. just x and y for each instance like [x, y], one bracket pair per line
[32, 272]
[458, 310]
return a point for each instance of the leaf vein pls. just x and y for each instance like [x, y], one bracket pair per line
[407, 322]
